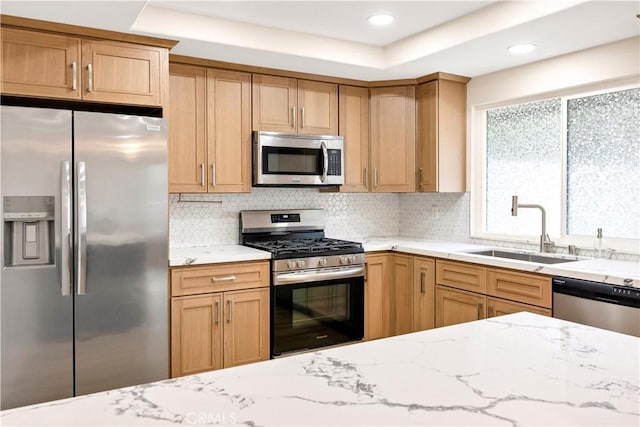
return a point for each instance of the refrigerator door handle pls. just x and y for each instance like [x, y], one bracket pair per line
[81, 249]
[65, 228]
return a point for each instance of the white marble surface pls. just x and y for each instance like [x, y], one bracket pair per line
[521, 369]
[598, 270]
[214, 254]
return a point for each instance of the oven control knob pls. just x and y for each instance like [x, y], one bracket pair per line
[352, 259]
[291, 264]
[322, 262]
[301, 263]
[344, 260]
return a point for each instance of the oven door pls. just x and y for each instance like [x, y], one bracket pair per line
[317, 313]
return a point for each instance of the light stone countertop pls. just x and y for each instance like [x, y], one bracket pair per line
[214, 254]
[598, 270]
[519, 369]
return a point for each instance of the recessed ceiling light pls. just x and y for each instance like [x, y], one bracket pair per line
[381, 19]
[522, 48]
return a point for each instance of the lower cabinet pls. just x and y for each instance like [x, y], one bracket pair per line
[453, 306]
[423, 293]
[223, 327]
[400, 295]
[375, 288]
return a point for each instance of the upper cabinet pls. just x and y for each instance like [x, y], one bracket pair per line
[441, 146]
[393, 118]
[354, 128]
[57, 66]
[209, 130]
[282, 104]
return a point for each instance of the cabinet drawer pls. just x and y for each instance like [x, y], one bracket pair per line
[500, 307]
[220, 277]
[521, 287]
[462, 276]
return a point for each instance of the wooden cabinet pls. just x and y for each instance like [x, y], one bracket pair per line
[376, 311]
[57, 66]
[282, 104]
[400, 295]
[454, 306]
[393, 112]
[462, 276]
[38, 64]
[187, 137]
[489, 291]
[441, 142]
[209, 130]
[527, 288]
[500, 307]
[354, 127]
[219, 316]
[423, 293]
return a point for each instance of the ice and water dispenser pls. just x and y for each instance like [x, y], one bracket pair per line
[28, 230]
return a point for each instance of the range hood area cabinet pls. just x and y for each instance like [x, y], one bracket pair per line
[441, 141]
[209, 130]
[40, 64]
[282, 104]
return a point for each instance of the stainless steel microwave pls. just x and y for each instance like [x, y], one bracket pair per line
[281, 159]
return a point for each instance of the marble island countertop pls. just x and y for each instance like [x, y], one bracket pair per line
[520, 369]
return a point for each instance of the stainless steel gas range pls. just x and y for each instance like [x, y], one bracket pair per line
[317, 283]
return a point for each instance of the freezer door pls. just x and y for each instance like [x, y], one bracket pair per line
[121, 319]
[36, 305]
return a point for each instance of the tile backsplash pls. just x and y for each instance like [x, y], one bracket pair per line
[214, 219]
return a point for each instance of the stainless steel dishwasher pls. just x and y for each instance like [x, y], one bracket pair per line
[616, 308]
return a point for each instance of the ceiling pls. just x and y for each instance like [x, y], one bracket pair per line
[334, 38]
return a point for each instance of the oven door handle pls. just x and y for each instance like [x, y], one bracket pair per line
[317, 275]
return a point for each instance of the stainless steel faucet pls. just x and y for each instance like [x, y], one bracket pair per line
[545, 241]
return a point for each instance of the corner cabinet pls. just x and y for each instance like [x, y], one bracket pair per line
[282, 104]
[393, 118]
[441, 143]
[219, 316]
[209, 130]
[57, 66]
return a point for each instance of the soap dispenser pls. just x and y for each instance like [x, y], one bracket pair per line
[599, 245]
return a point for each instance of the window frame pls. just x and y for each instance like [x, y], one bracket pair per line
[478, 164]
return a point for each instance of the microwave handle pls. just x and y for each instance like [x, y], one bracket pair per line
[325, 155]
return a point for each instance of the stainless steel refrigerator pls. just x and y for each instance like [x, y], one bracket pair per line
[84, 294]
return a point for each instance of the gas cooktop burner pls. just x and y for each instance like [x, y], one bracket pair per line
[307, 247]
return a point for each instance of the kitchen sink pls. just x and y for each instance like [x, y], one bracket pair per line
[523, 256]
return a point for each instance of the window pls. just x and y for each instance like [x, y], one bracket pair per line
[578, 157]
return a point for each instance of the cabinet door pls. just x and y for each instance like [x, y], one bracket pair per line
[462, 276]
[500, 307]
[441, 145]
[354, 127]
[229, 131]
[318, 107]
[393, 112]
[38, 64]
[187, 128]
[246, 326]
[423, 293]
[401, 294]
[376, 311]
[454, 306]
[196, 334]
[122, 73]
[274, 104]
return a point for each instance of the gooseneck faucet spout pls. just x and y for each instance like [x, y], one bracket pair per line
[545, 241]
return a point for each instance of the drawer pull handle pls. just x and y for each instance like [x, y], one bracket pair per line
[490, 310]
[223, 279]
[480, 310]
[217, 312]
[229, 312]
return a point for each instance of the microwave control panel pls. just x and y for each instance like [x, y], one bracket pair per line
[335, 162]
